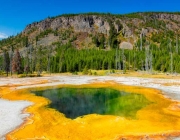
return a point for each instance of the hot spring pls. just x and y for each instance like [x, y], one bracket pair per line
[77, 102]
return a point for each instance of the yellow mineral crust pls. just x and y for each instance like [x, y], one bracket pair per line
[158, 120]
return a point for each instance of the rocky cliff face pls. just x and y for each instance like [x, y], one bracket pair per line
[81, 29]
[100, 24]
[79, 23]
[165, 16]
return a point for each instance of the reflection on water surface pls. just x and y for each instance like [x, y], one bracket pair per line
[75, 102]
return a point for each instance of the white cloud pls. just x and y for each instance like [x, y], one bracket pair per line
[2, 35]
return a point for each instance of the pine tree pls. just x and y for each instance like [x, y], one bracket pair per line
[40, 60]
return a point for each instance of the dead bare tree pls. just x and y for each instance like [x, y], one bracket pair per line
[119, 63]
[10, 57]
[116, 59]
[141, 42]
[49, 59]
[171, 57]
[177, 47]
[147, 58]
[124, 61]
[151, 62]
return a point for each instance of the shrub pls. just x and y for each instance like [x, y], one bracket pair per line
[85, 70]
[75, 73]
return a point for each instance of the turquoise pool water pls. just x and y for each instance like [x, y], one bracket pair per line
[76, 102]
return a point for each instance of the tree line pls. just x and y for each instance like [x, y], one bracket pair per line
[66, 58]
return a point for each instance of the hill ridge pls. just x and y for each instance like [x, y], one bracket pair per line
[150, 35]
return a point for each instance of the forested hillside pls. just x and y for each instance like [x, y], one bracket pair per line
[94, 41]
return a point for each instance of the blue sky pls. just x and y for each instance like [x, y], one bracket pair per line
[16, 14]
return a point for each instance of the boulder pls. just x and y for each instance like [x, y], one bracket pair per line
[126, 45]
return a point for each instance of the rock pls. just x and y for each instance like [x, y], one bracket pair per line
[80, 23]
[126, 27]
[126, 45]
[99, 24]
[144, 32]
